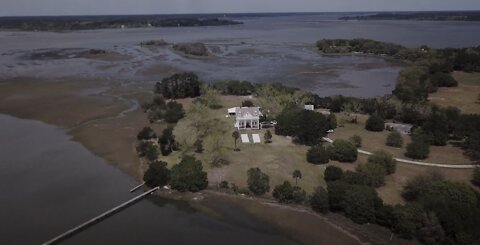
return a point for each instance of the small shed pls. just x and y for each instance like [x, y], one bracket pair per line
[402, 128]
[309, 107]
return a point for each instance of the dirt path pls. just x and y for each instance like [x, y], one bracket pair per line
[427, 164]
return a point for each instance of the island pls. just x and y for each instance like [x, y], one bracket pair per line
[72, 23]
[432, 16]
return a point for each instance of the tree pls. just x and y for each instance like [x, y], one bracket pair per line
[333, 173]
[332, 121]
[360, 203]
[267, 136]
[180, 85]
[151, 152]
[258, 182]
[188, 175]
[342, 151]
[418, 149]
[394, 139]
[356, 140]
[157, 174]
[336, 194]
[174, 112]
[374, 173]
[375, 123]
[432, 232]
[167, 141]
[235, 136]
[319, 200]
[198, 146]
[317, 155]
[476, 177]
[384, 159]
[306, 127]
[408, 220]
[436, 127]
[247, 103]
[146, 133]
[297, 175]
[286, 193]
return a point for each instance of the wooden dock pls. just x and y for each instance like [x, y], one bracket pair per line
[100, 217]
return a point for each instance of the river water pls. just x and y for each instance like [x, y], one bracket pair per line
[277, 48]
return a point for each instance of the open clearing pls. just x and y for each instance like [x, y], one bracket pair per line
[465, 96]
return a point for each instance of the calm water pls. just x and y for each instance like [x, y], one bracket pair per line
[50, 184]
[264, 49]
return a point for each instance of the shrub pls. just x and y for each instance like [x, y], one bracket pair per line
[174, 112]
[385, 159]
[336, 194]
[476, 177]
[356, 140]
[374, 173]
[198, 146]
[408, 220]
[286, 193]
[332, 121]
[418, 149]
[319, 200]
[167, 142]
[342, 151]
[258, 182]
[188, 175]
[146, 133]
[333, 173]
[157, 174]
[267, 137]
[394, 139]
[223, 185]
[375, 123]
[361, 203]
[317, 155]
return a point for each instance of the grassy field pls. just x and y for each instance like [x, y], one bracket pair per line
[278, 159]
[465, 96]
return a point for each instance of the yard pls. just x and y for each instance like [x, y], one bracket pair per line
[465, 96]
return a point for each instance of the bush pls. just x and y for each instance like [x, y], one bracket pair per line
[317, 155]
[384, 159]
[319, 200]
[408, 220]
[394, 139]
[361, 203]
[374, 173]
[336, 194]
[476, 177]
[332, 121]
[342, 151]
[223, 185]
[247, 103]
[157, 174]
[267, 137]
[333, 173]
[146, 133]
[418, 149]
[356, 140]
[188, 175]
[286, 193]
[167, 142]
[174, 112]
[198, 146]
[375, 123]
[258, 182]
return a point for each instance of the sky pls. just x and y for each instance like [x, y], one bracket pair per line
[100, 7]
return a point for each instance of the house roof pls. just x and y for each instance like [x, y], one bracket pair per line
[248, 112]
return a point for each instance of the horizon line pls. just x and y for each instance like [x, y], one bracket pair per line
[235, 13]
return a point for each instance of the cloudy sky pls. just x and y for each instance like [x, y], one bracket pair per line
[92, 7]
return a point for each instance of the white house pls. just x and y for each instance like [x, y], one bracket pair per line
[246, 117]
